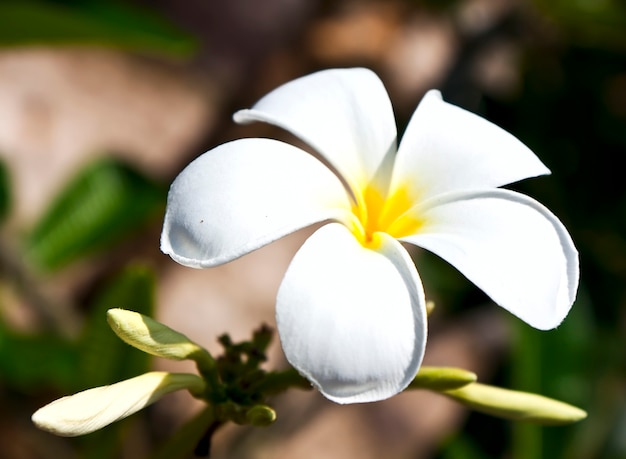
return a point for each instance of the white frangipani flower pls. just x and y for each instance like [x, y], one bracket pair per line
[350, 309]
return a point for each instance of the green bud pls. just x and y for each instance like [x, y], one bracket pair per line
[262, 337]
[260, 415]
[442, 378]
[515, 405]
[153, 337]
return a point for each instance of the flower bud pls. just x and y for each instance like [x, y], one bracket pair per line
[260, 415]
[153, 337]
[92, 409]
[515, 405]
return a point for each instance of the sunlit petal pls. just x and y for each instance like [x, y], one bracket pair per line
[351, 319]
[344, 114]
[446, 148]
[95, 408]
[510, 246]
[243, 195]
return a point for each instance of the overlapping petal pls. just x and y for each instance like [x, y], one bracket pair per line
[351, 319]
[510, 246]
[446, 148]
[243, 195]
[344, 114]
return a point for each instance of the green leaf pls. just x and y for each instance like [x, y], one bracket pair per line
[100, 23]
[28, 362]
[5, 191]
[106, 359]
[103, 204]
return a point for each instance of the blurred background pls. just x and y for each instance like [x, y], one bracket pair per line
[102, 103]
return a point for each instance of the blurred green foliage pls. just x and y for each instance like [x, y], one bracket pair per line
[589, 23]
[90, 22]
[29, 361]
[104, 358]
[5, 191]
[98, 357]
[104, 203]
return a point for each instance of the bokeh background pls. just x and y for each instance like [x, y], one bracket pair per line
[102, 103]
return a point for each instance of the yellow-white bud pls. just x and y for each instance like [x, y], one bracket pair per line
[152, 337]
[92, 409]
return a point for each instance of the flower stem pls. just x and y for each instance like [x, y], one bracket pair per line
[193, 437]
[442, 378]
[279, 381]
[208, 369]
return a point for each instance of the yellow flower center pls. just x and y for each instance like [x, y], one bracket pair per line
[377, 213]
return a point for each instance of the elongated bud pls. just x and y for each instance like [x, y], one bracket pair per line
[515, 405]
[92, 409]
[442, 378]
[153, 337]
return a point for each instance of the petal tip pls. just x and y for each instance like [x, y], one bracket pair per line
[433, 93]
[242, 116]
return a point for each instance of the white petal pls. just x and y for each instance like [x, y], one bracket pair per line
[446, 148]
[510, 246]
[243, 195]
[344, 114]
[352, 320]
[92, 409]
